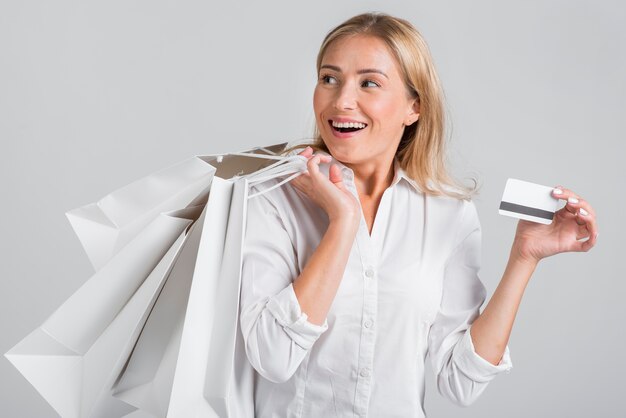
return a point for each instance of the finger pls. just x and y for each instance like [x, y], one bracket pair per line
[589, 222]
[561, 193]
[307, 152]
[588, 230]
[335, 175]
[320, 158]
[576, 204]
[313, 165]
[325, 158]
[573, 204]
[314, 162]
[578, 213]
[584, 246]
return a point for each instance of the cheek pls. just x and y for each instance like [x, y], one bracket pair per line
[384, 111]
[319, 101]
[390, 112]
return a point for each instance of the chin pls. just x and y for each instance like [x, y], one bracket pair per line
[342, 152]
[345, 157]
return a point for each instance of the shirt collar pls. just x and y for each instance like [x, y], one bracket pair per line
[399, 173]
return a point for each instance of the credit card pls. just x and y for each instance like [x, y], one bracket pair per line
[528, 201]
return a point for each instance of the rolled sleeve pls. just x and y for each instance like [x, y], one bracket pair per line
[286, 310]
[473, 365]
[462, 375]
[276, 333]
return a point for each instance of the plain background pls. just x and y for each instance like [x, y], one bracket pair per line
[94, 95]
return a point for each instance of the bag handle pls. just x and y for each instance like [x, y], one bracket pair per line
[292, 166]
[288, 179]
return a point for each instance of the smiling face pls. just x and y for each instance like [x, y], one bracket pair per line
[361, 102]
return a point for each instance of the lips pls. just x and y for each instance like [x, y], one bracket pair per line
[344, 126]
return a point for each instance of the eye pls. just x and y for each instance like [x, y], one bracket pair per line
[369, 83]
[328, 79]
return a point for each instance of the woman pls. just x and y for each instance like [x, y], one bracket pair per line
[360, 267]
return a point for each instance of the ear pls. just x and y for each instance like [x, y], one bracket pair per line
[413, 113]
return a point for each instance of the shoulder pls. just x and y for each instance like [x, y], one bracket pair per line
[282, 199]
[451, 206]
[458, 217]
[269, 194]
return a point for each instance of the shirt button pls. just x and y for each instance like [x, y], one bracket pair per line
[368, 324]
[369, 273]
[365, 373]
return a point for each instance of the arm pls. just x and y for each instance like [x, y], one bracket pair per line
[275, 307]
[483, 353]
[533, 242]
[492, 329]
[317, 286]
[276, 332]
[462, 374]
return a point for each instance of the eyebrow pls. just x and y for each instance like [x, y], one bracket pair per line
[363, 71]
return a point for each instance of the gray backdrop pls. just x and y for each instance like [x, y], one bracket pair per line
[94, 95]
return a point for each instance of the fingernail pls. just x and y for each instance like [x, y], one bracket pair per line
[583, 212]
[572, 200]
[557, 191]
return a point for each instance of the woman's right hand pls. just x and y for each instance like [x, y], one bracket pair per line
[330, 193]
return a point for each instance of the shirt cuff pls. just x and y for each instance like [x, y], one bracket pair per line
[285, 308]
[474, 366]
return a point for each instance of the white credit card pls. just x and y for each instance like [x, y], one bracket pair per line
[528, 201]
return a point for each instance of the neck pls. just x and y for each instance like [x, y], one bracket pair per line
[372, 179]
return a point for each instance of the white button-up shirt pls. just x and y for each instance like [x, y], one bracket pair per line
[410, 289]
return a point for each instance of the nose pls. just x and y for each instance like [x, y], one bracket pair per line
[346, 97]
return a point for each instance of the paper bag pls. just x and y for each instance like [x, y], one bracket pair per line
[212, 377]
[155, 329]
[77, 354]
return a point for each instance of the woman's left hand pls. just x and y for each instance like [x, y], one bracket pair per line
[576, 220]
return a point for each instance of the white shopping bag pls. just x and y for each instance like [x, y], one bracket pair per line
[76, 355]
[155, 328]
[209, 375]
[108, 225]
[146, 382]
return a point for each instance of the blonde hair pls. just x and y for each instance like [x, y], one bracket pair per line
[421, 152]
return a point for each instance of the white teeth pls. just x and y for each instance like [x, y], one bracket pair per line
[348, 125]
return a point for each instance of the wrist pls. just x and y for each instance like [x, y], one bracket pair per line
[345, 223]
[519, 256]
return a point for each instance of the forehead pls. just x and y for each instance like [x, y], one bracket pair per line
[361, 51]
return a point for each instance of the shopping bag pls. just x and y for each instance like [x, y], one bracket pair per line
[146, 382]
[210, 375]
[108, 225]
[76, 355]
[144, 241]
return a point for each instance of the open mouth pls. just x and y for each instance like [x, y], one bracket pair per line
[345, 127]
